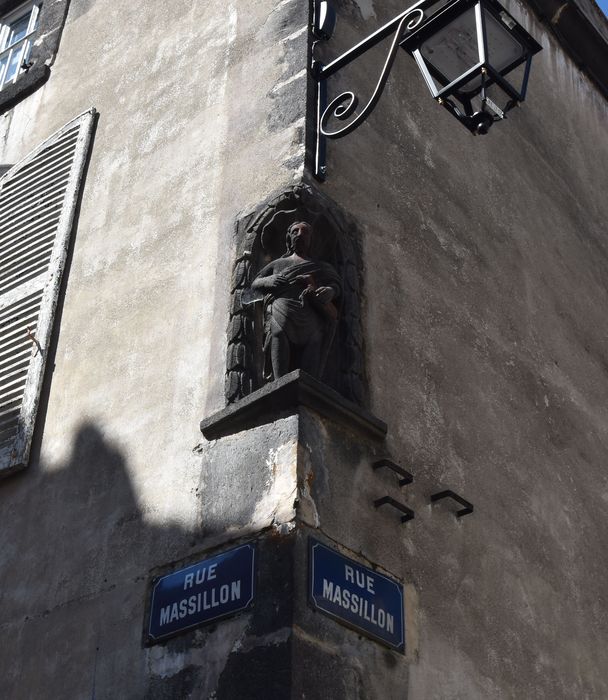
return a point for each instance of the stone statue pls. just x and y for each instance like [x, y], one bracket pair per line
[300, 314]
[266, 320]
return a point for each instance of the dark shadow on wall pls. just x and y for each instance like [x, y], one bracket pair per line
[75, 554]
[76, 559]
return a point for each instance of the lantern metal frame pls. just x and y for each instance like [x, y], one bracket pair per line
[410, 29]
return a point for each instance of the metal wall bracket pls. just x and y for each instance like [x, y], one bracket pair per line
[405, 477]
[448, 493]
[323, 20]
[402, 508]
[343, 107]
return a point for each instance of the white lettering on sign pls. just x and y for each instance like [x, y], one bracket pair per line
[164, 615]
[356, 604]
[206, 600]
[360, 579]
[206, 573]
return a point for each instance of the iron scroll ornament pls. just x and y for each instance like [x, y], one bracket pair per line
[345, 104]
[493, 45]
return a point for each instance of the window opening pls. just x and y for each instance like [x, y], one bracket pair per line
[17, 30]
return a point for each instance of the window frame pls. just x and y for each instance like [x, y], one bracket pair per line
[24, 44]
[50, 22]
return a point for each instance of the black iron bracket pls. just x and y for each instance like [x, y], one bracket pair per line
[402, 508]
[344, 105]
[405, 477]
[448, 493]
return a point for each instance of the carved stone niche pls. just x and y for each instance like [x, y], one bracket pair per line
[262, 239]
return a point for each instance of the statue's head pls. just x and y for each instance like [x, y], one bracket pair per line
[299, 238]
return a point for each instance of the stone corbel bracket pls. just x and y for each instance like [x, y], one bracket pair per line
[285, 397]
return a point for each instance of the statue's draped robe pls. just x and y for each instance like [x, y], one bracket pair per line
[299, 317]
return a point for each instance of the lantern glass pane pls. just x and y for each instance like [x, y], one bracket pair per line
[453, 50]
[503, 48]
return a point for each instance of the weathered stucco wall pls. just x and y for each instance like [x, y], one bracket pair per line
[202, 111]
[193, 127]
[486, 288]
[485, 293]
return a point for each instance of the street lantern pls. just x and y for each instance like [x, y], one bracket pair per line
[465, 52]
[468, 52]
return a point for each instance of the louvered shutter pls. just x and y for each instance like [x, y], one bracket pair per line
[38, 198]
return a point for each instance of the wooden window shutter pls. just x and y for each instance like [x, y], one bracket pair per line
[38, 199]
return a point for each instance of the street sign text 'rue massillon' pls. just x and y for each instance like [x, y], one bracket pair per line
[356, 595]
[208, 590]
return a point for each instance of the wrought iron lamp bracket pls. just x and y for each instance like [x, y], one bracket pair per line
[410, 30]
[343, 107]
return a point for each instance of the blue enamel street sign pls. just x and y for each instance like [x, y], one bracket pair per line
[213, 588]
[356, 596]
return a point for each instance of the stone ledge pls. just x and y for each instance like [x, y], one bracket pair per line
[25, 84]
[285, 397]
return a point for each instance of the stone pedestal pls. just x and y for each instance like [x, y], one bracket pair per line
[289, 462]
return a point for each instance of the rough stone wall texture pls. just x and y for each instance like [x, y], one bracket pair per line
[485, 277]
[486, 288]
[337, 488]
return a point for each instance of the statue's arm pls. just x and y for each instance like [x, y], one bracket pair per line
[266, 279]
